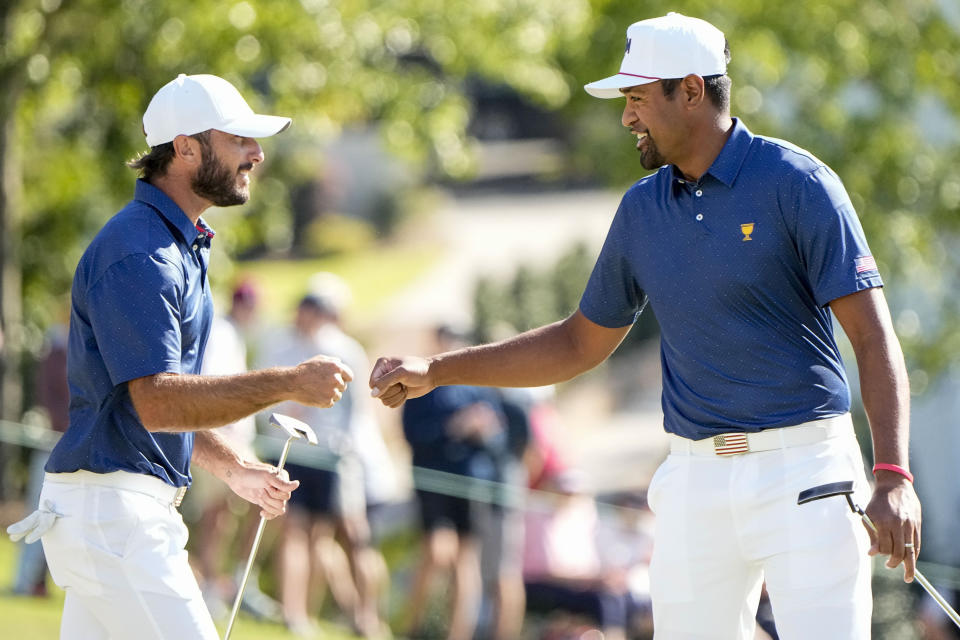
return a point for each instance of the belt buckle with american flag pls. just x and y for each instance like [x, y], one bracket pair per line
[728, 444]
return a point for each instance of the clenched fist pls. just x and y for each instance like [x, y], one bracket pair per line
[395, 380]
[320, 381]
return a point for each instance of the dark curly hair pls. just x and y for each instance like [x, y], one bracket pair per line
[155, 162]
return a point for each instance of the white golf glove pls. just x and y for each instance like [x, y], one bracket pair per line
[34, 525]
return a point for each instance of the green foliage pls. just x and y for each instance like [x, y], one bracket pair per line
[78, 74]
[870, 87]
[532, 298]
[535, 298]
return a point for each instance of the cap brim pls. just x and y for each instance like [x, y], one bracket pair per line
[610, 87]
[256, 126]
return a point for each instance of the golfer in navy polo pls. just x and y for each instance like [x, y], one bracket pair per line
[139, 412]
[746, 249]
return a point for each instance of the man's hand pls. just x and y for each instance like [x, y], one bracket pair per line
[394, 380]
[895, 511]
[320, 381]
[263, 485]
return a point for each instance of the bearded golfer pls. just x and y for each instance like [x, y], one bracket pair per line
[746, 248]
[139, 411]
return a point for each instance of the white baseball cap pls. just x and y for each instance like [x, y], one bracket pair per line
[191, 104]
[673, 46]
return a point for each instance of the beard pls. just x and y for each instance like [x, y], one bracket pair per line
[216, 183]
[650, 156]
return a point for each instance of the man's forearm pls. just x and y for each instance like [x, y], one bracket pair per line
[886, 399]
[884, 387]
[547, 355]
[171, 402]
[212, 452]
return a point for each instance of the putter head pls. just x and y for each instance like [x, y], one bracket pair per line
[829, 490]
[294, 428]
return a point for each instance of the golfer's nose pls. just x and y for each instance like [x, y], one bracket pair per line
[255, 151]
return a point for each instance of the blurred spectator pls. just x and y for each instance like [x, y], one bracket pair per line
[53, 399]
[562, 566]
[625, 544]
[350, 469]
[210, 502]
[544, 458]
[452, 432]
[502, 543]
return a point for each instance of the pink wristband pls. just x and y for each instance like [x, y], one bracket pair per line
[883, 466]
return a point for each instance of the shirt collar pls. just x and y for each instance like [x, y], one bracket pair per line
[204, 233]
[726, 166]
[151, 195]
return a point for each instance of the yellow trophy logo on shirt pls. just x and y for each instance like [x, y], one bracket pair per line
[747, 229]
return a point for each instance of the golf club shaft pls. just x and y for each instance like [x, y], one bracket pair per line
[947, 609]
[253, 554]
[922, 579]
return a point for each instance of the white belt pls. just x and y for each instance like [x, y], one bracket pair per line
[139, 482]
[738, 442]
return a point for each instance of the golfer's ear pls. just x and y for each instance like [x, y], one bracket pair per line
[187, 149]
[693, 90]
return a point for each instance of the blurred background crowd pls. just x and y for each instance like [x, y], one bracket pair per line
[446, 180]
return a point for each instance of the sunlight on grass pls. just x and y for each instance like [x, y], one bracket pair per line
[373, 275]
[39, 618]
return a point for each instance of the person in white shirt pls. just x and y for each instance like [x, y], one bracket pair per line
[351, 470]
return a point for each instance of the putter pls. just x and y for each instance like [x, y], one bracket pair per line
[295, 430]
[845, 489]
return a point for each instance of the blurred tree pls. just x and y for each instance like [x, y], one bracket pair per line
[77, 74]
[488, 309]
[569, 278]
[870, 87]
[533, 297]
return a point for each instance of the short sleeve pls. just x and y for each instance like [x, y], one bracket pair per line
[134, 310]
[830, 240]
[612, 297]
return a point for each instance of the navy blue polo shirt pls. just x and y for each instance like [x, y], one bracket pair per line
[739, 269]
[140, 305]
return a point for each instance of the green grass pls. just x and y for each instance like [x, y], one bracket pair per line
[373, 275]
[39, 618]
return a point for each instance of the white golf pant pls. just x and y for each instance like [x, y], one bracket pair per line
[726, 524]
[117, 550]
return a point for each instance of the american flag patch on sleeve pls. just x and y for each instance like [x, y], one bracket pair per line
[865, 264]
